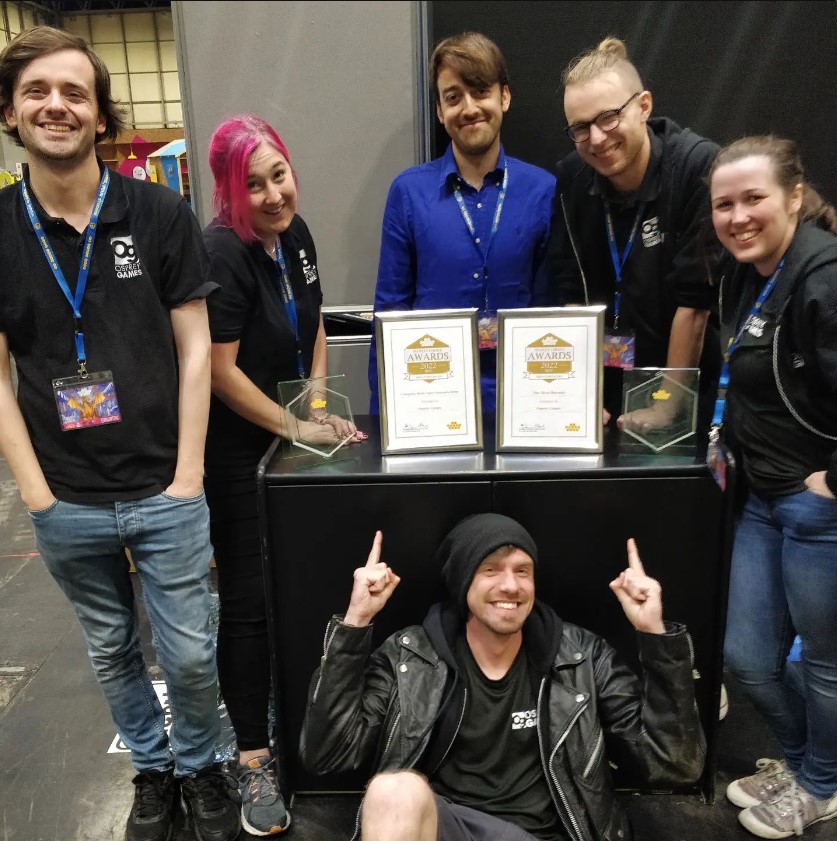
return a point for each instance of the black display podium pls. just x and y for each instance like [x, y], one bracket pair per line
[318, 523]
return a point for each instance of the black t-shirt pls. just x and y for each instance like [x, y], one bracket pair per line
[778, 452]
[249, 309]
[147, 260]
[494, 764]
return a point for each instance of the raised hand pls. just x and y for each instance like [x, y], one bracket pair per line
[640, 595]
[373, 584]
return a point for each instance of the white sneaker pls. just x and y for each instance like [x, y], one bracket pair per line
[790, 815]
[765, 786]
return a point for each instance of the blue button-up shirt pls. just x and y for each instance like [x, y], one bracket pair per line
[429, 260]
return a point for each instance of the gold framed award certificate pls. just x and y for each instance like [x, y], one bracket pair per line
[549, 379]
[428, 380]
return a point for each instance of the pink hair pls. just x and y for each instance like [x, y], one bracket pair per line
[230, 148]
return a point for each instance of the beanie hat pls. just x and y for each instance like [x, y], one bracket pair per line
[469, 543]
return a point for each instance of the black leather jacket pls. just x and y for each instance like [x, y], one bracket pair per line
[403, 705]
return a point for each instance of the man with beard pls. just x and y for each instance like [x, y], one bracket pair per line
[471, 228]
[495, 720]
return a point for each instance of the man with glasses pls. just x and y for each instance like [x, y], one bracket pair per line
[627, 228]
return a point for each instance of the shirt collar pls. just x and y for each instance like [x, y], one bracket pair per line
[649, 189]
[448, 173]
[114, 208]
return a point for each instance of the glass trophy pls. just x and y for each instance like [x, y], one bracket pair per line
[659, 410]
[318, 416]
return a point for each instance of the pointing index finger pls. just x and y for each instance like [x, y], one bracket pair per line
[375, 551]
[633, 557]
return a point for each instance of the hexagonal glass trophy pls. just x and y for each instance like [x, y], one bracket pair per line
[319, 418]
[659, 410]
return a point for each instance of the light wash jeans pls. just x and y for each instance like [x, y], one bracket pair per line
[83, 546]
[784, 582]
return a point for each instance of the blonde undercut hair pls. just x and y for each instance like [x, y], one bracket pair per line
[611, 54]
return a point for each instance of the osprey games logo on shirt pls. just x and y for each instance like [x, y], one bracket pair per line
[524, 719]
[126, 262]
[309, 268]
[651, 235]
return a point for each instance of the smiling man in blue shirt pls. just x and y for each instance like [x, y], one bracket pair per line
[471, 228]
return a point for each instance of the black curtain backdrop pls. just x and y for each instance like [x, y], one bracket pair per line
[725, 69]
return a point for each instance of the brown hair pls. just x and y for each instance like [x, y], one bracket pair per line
[474, 57]
[44, 40]
[788, 170]
[611, 54]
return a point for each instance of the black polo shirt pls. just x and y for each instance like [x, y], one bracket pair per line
[148, 259]
[249, 309]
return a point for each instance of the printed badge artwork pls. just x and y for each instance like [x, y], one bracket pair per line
[86, 401]
[619, 349]
[427, 359]
[487, 326]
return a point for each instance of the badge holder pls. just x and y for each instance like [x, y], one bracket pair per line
[487, 327]
[317, 416]
[618, 350]
[86, 400]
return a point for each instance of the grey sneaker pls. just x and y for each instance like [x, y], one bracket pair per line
[789, 815]
[263, 810]
[765, 786]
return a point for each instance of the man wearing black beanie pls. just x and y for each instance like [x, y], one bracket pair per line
[495, 720]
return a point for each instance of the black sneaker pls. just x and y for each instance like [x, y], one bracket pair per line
[210, 797]
[156, 800]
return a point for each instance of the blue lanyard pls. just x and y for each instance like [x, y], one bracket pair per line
[469, 224]
[723, 382]
[290, 304]
[619, 262]
[84, 265]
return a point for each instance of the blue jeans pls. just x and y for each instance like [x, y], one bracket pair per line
[783, 582]
[83, 547]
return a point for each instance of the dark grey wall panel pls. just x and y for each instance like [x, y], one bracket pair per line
[338, 82]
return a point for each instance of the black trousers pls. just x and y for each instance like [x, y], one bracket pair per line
[243, 652]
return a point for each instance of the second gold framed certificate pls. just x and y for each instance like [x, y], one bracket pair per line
[428, 381]
[549, 379]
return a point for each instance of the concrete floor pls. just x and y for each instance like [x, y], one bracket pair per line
[58, 782]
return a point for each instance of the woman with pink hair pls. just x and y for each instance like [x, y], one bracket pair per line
[266, 328]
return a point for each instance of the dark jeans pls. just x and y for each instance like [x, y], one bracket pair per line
[243, 652]
[784, 582]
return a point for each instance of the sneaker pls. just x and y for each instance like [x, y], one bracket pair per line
[156, 800]
[263, 810]
[209, 801]
[723, 708]
[792, 813]
[765, 786]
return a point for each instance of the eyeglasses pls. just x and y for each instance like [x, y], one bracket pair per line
[606, 121]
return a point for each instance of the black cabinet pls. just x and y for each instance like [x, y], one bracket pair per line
[319, 523]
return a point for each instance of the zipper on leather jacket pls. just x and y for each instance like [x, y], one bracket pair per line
[327, 638]
[547, 766]
[391, 733]
[575, 251]
[597, 749]
[455, 732]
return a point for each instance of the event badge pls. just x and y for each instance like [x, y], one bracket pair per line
[86, 400]
[487, 326]
[618, 350]
[716, 460]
